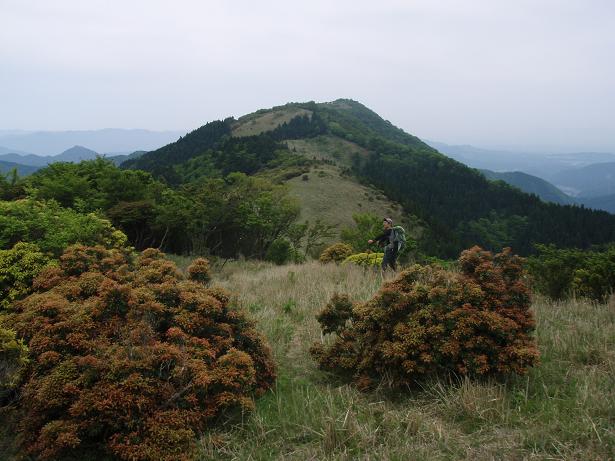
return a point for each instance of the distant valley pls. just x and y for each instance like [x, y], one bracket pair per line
[584, 178]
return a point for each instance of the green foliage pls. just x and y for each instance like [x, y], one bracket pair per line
[289, 306]
[494, 231]
[336, 253]
[227, 217]
[210, 151]
[315, 236]
[18, 267]
[367, 226]
[161, 161]
[130, 360]
[279, 252]
[558, 273]
[91, 185]
[13, 360]
[365, 259]
[52, 228]
[473, 322]
[11, 185]
[300, 127]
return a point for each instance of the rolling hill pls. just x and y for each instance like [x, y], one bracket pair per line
[348, 142]
[531, 185]
[593, 180]
[74, 154]
[22, 170]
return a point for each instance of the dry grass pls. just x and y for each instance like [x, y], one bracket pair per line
[334, 198]
[564, 409]
[328, 147]
[254, 124]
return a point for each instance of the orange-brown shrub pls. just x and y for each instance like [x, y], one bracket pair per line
[336, 253]
[473, 322]
[199, 270]
[130, 359]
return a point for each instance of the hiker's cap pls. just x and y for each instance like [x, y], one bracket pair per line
[389, 220]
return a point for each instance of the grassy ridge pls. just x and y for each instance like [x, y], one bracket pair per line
[565, 408]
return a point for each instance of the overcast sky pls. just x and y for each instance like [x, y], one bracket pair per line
[504, 73]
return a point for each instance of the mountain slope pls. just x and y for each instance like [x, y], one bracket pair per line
[119, 159]
[593, 180]
[22, 170]
[543, 165]
[603, 202]
[458, 204]
[74, 154]
[531, 185]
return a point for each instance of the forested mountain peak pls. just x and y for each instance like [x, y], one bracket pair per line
[458, 205]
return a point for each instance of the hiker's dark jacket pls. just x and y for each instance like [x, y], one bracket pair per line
[385, 238]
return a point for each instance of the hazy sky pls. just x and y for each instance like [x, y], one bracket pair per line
[484, 72]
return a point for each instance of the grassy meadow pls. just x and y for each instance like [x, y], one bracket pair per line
[563, 410]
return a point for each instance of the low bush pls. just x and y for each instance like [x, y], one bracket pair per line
[473, 322]
[279, 252]
[18, 267]
[336, 253]
[130, 359]
[560, 273]
[52, 227]
[365, 259]
[13, 359]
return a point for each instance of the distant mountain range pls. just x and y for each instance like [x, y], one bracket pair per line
[106, 140]
[583, 178]
[543, 165]
[28, 151]
[532, 185]
[29, 163]
[593, 180]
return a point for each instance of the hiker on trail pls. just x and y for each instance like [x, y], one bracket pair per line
[393, 239]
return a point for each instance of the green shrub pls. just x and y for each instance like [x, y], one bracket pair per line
[13, 359]
[52, 227]
[558, 273]
[130, 360]
[366, 226]
[18, 267]
[280, 251]
[473, 322]
[365, 259]
[336, 253]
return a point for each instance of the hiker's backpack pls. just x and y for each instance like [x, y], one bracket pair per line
[399, 237]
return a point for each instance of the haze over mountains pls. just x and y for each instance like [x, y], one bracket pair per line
[109, 140]
[29, 151]
[586, 178]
